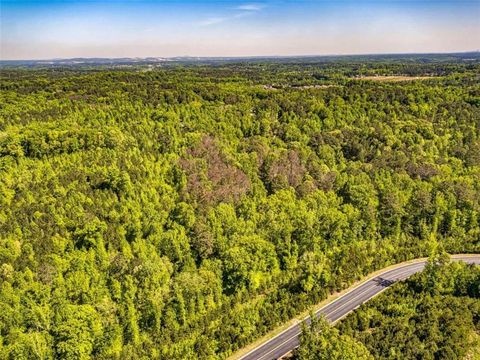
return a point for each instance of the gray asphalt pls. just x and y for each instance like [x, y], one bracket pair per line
[288, 340]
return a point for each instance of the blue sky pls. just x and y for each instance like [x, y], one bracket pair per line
[45, 29]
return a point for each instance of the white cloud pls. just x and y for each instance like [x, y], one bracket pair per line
[250, 7]
[213, 21]
[241, 11]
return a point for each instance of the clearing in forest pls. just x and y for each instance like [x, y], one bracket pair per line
[394, 78]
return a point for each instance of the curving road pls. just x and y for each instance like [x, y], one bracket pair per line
[288, 340]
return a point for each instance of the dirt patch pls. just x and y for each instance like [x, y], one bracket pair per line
[394, 78]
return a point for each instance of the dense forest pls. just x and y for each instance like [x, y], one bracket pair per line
[433, 315]
[181, 212]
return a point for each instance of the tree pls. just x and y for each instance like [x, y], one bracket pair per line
[320, 341]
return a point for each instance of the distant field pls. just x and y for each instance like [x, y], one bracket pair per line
[395, 78]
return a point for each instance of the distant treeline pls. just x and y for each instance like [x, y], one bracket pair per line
[312, 60]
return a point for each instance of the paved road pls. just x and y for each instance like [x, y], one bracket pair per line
[288, 340]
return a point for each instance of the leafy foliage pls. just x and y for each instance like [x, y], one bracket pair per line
[321, 341]
[184, 211]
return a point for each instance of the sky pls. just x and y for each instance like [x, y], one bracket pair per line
[48, 29]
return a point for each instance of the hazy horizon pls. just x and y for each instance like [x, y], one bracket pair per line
[186, 56]
[63, 29]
